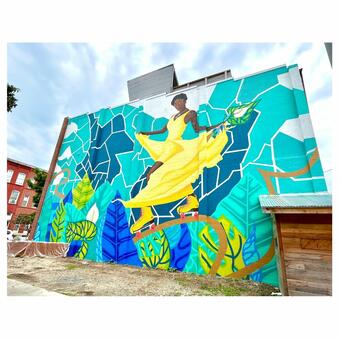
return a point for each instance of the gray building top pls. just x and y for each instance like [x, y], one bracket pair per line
[315, 200]
[156, 82]
[164, 80]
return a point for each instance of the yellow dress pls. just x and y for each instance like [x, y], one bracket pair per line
[184, 161]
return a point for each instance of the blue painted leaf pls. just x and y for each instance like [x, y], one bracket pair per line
[74, 247]
[54, 206]
[180, 254]
[117, 244]
[250, 253]
[36, 237]
[68, 198]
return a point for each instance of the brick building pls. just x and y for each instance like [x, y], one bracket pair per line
[19, 195]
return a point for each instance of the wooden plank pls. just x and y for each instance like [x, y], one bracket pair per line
[312, 226]
[310, 287]
[296, 245]
[280, 258]
[299, 293]
[307, 233]
[308, 254]
[309, 275]
[305, 219]
[316, 244]
[291, 243]
[314, 210]
[318, 266]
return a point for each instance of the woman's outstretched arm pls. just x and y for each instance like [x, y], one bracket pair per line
[192, 117]
[155, 132]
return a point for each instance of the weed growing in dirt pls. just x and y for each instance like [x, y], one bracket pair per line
[224, 290]
[170, 269]
[71, 267]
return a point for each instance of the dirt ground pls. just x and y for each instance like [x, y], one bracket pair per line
[75, 277]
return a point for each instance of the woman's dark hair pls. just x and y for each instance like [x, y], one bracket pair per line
[179, 96]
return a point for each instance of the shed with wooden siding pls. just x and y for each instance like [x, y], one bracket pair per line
[303, 233]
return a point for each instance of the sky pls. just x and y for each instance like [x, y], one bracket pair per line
[68, 79]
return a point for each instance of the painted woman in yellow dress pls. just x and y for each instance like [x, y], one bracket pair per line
[178, 163]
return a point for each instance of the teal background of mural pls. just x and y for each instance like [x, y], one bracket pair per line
[101, 162]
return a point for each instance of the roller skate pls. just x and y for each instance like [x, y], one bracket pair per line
[145, 221]
[190, 208]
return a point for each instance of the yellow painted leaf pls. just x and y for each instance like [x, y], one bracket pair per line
[82, 192]
[232, 260]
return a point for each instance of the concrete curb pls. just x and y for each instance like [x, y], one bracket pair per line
[17, 288]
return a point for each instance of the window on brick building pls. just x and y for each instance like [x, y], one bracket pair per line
[25, 201]
[14, 197]
[21, 178]
[9, 175]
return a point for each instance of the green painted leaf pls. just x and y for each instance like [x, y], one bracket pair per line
[83, 230]
[241, 113]
[159, 260]
[82, 193]
[81, 253]
[242, 207]
[233, 260]
[58, 224]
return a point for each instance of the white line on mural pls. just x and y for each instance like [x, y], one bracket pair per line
[238, 92]
[263, 92]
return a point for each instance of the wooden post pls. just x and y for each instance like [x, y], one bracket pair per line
[49, 177]
[280, 256]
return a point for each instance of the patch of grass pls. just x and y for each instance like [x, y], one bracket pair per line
[170, 269]
[183, 282]
[221, 290]
[71, 266]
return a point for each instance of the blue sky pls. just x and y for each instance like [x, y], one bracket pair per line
[58, 80]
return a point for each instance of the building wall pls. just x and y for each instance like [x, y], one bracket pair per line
[102, 165]
[17, 209]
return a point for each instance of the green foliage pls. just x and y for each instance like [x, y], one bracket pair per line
[58, 224]
[25, 218]
[11, 100]
[38, 184]
[82, 193]
[159, 259]
[241, 113]
[81, 231]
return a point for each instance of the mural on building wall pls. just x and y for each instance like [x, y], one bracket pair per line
[172, 182]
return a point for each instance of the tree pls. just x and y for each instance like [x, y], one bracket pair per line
[25, 219]
[11, 100]
[38, 184]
